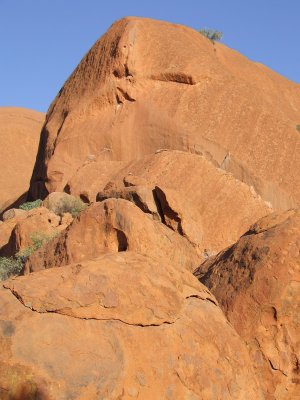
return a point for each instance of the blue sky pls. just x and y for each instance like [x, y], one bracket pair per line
[42, 41]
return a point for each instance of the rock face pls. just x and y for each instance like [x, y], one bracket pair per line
[257, 283]
[212, 207]
[148, 85]
[19, 137]
[114, 225]
[160, 151]
[149, 332]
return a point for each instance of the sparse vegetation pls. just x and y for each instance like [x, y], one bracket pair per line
[211, 34]
[10, 266]
[298, 127]
[30, 205]
[72, 205]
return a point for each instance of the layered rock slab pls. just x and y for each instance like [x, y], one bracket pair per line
[19, 138]
[257, 283]
[156, 339]
[149, 85]
[212, 207]
[114, 225]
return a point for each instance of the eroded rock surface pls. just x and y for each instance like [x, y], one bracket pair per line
[84, 332]
[114, 225]
[212, 206]
[257, 283]
[150, 85]
[19, 138]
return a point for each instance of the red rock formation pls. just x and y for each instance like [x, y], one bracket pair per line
[19, 137]
[257, 282]
[214, 208]
[149, 85]
[120, 326]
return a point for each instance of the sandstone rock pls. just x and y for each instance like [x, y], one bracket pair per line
[114, 107]
[211, 201]
[257, 282]
[114, 225]
[13, 213]
[142, 196]
[6, 230]
[39, 223]
[176, 214]
[19, 137]
[134, 180]
[120, 326]
[91, 178]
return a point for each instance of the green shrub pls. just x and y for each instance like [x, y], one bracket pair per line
[10, 266]
[38, 240]
[211, 34]
[72, 205]
[298, 127]
[30, 205]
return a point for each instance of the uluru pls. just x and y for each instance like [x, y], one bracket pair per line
[150, 230]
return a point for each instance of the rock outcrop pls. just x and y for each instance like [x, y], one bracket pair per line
[212, 207]
[114, 225]
[257, 283]
[120, 326]
[19, 138]
[160, 151]
[148, 85]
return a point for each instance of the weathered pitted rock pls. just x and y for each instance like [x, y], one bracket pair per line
[257, 282]
[19, 138]
[150, 85]
[217, 207]
[181, 356]
[114, 225]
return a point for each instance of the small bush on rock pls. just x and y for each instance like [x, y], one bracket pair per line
[211, 34]
[298, 127]
[30, 205]
[38, 240]
[72, 205]
[10, 266]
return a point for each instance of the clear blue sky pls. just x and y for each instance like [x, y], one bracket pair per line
[42, 41]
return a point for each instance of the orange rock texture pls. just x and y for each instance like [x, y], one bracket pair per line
[19, 138]
[257, 283]
[148, 85]
[161, 270]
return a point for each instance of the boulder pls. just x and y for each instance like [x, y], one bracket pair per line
[13, 213]
[120, 326]
[142, 196]
[215, 207]
[114, 225]
[257, 283]
[35, 227]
